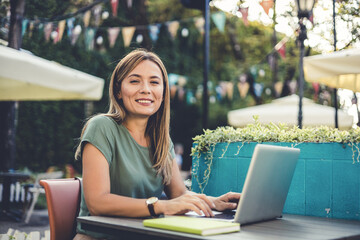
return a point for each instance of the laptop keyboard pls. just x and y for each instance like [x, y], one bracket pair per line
[225, 215]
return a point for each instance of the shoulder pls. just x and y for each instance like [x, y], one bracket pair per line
[102, 123]
[102, 120]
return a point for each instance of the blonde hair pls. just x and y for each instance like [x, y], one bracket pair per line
[158, 124]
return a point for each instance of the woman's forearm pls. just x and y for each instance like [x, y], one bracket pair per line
[112, 204]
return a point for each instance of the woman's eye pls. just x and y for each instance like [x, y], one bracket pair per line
[155, 82]
[134, 81]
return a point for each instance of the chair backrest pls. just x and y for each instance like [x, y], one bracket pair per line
[47, 175]
[63, 201]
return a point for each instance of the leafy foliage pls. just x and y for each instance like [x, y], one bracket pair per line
[258, 132]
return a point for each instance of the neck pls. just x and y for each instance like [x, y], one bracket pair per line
[137, 129]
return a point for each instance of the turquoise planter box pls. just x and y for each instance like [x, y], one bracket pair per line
[326, 182]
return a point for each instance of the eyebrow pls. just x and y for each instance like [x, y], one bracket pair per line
[139, 76]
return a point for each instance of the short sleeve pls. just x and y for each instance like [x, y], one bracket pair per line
[99, 132]
[171, 150]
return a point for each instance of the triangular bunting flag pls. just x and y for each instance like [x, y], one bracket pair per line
[280, 47]
[128, 33]
[230, 90]
[219, 18]
[113, 33]
[114, 7]
[316, 87]
[31, 28]
[173, 90]
[173, 26]
[223, 88]
[244, 15]
[182, 80]
[181, 93]
[199, 24]
[258, 89]
[267, 4]
[47, 31]
[154, 31]
[243, 88]
[282, 51]
[89, 38]
[61, 28]
[24, 26]
[70, 25]
[278, 88]
[86, 18]
[75, 34]
[97, 14]
[190, 99]
[55, 35]
[40, 28]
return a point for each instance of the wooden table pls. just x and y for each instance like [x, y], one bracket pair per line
[288, 227]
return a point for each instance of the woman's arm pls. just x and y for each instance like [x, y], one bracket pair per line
[177, 188]
[99, 200]
[182, 200]
[96, 184]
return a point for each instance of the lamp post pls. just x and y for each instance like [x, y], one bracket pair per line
[304, 8]
[206, 65]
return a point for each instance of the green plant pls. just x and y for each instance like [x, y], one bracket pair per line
[258, 132]
[205, 144]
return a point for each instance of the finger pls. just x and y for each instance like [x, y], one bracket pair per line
[208, 201]
[202, 202]
[204, 207]
[193, 207]
[230, 205]
[233, 197]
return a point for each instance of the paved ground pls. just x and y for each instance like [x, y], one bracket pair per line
[39, 222]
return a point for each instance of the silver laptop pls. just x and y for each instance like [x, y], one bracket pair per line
[266, 185]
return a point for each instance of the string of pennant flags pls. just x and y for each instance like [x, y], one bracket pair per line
[79, 22]
[54, 28]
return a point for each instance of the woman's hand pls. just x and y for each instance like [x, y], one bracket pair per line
[226, 201]
[189, 201]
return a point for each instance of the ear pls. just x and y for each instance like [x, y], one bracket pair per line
[119, 95]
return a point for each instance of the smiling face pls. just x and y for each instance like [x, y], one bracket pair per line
[142, 90]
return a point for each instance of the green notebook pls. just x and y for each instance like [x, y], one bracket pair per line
[200, 226]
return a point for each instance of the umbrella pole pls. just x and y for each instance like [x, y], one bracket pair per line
[9, 109]
[301, 38]
[206, 65]
[335, 90]
[336, 108]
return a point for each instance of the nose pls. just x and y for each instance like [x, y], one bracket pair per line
[145, 88]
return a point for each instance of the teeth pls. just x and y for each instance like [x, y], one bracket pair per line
[144, 101]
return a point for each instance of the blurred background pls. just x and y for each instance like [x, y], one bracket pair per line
[254, 58]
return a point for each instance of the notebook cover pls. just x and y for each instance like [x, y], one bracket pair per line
[200, 226]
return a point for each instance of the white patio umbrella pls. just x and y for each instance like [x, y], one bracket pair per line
[339, 69]
[25, 77]
[285, 110]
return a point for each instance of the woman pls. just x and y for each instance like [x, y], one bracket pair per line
[127, 154]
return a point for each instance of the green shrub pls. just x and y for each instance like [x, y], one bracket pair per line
[258, 132]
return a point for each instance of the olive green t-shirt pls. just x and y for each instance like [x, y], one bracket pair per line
[130, 165]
